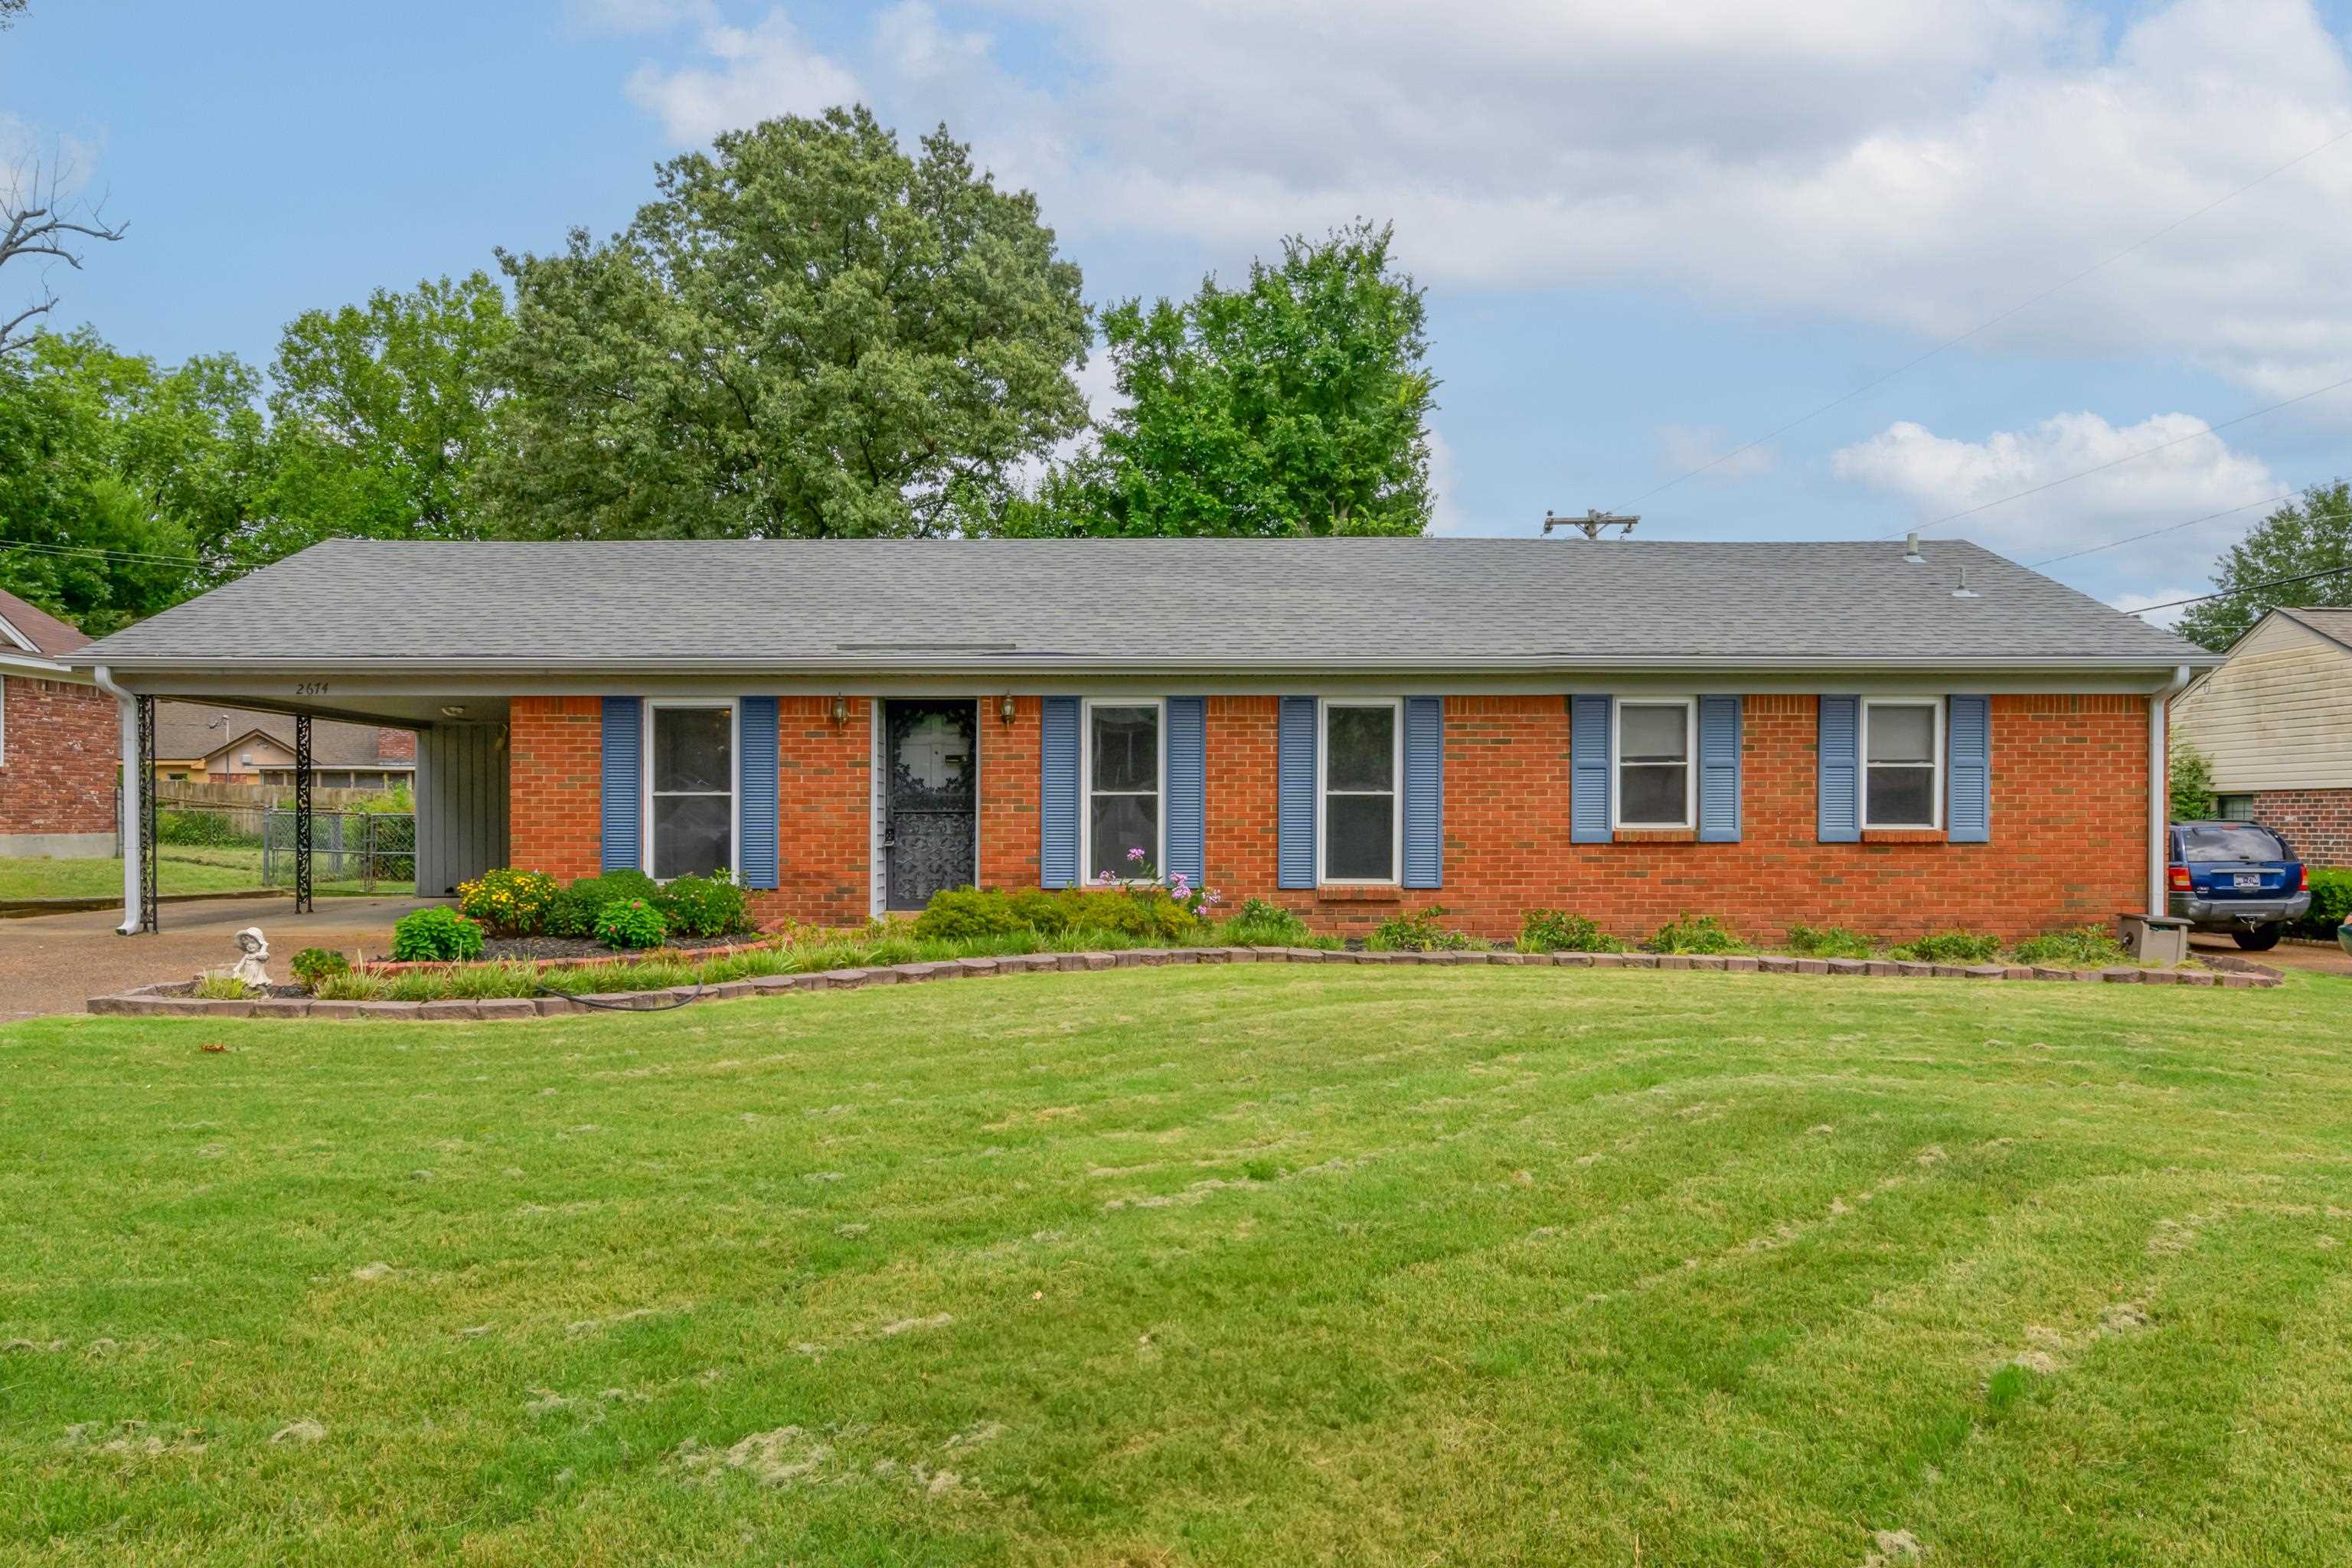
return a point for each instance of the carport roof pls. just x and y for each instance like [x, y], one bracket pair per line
[1433, 604]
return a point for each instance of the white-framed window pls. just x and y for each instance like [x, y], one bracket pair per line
[1902, 761]
[691, 827]
[1123, 745]
[1361, 768]
[1655, 784]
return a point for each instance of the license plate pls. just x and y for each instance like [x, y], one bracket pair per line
[2246, 879]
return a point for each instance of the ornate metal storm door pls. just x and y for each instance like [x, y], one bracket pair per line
[930, 826]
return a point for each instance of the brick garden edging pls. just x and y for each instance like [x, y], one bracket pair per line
[151, 1002]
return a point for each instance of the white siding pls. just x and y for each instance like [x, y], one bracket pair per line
[2277, 716]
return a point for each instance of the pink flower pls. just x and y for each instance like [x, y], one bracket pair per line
[1136, 853]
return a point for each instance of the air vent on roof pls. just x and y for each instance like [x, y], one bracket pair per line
[1911, 548]
[1964, 591]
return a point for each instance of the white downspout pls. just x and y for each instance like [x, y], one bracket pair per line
[2159, 796]
[134, 830]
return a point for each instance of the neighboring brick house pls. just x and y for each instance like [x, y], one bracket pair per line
[2275, 721]
[1841, 733]
[57, 742]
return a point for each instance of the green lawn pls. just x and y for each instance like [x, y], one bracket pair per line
[179, 868]
[1245, 1265]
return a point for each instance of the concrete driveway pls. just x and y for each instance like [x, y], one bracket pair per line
[53, 964]
[2318, 957]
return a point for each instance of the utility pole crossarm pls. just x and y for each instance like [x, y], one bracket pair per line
[1592, 522]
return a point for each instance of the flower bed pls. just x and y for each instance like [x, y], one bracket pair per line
[172, 1001]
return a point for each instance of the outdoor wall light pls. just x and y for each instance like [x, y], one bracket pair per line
[841, 709]
[1004, 708]
[453, 711]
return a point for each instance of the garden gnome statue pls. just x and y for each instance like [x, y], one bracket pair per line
[249, 968]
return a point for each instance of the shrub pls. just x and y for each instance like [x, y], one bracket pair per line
[960, 913]
[2086, 947]
[574, 911]
[1417, 933]
[1828, 942]
[2331, 903]
[705, 906]
[508, 902]
[1041, 911]
[1950, 947]
[314, 966]
[2191, 782]
[631, 923]
[1258, 924]
[437, 935]
[1557, 931]
[1705, 934]
[1147, 913]
[201, 831]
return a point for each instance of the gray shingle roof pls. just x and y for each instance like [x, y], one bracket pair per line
[2332, 621]
[1454, 603]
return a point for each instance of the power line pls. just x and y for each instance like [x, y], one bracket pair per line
[2246, 588]
[111, 555]
[2168, 528]
[1993, 321]
[2129, 457]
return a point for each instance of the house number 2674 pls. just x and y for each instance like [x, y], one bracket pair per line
[311, 689]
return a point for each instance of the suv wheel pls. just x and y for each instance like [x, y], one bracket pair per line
[2261, 939]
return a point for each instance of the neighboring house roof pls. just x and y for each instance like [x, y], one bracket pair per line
[2333, 622]
[190, 731]
[994, 604]
[33, 632]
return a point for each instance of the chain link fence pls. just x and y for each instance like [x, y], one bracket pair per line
[376, 850]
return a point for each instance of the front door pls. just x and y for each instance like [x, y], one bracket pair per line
[930, 807]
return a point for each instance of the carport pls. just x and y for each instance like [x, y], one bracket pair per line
[461, 765]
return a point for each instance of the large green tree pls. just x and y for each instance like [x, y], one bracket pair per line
[807, 333]
[120, 481]
[1295, 404]
[380, 415]
[2313, 534]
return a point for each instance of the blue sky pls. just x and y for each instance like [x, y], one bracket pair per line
[1649, 233]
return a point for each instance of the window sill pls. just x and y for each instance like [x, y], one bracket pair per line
[1903, 836]
[1359, 893]
[1654, 836]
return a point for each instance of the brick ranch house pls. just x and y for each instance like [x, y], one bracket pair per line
[57, 745]
[2275, 720]
[1827, 732]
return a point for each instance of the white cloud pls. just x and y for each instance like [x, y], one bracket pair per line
[1689, 450]
[1923, 166]
[2168, 616]
[758, 72]
[1938, 475]
[1446, 513]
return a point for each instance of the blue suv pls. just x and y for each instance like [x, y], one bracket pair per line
[2237, 877]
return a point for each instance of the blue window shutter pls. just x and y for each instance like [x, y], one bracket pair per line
[624, 783]
[1719, 770]
[1587, 750]
[1968, 788]
[1424, 791]
[1187, 789]
[1840, 760]
[755, 789]
[1057, 794]
[1294, 793]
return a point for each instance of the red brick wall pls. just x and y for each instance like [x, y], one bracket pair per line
[555, 760]
[2069, 805]
[1009, 767]
[2318, 823]
[59, 758]
[395, 745]
[824, 814]
[2069, 811]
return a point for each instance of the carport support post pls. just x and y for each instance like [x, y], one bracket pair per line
[137, 810]
[301, 814]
